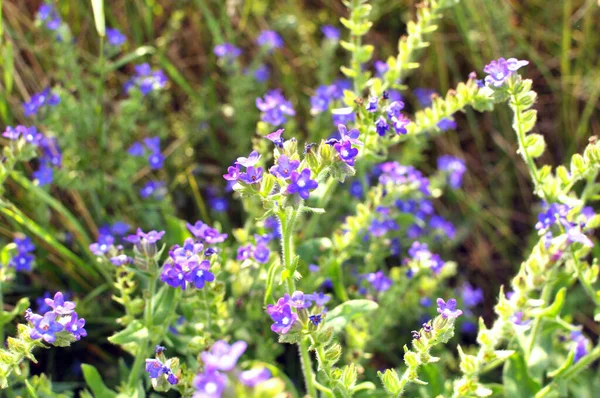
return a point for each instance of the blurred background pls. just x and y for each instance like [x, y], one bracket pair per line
[209, 116]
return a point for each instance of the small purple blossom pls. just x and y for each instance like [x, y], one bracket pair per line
[146, 79]
[174, 276]
[284, 167]
[472, 296]
[448, 309]
[501, 69]
[45, 327]
[155, 368]
[227, 51]
[331, 32]
[382, 126]
[210, 384]
[379, 281]
[136, 149]
[223, 356]
[244, 252]
[115, 37]
[283, 316]
[270, 40]
[301, 184]
[253, 377]
[233, 172]
[153, 188]
[59, 305]
[40, 100]
[274, 108]
[76, 327]
[349, 136]
[103, 245]
[276, 138]
[250, 161]
[199, 274]
[205, 233]
[455, 168]
[261, 253]
[346, 152]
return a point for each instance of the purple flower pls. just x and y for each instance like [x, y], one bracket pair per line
[346, 152]
[244, 252]
[448, 310]
[253, 377]
[349, 136]
[393, 109]
[120, 260]
[12, 133]
[206, 233]
[274, 108]
[209, 384]
[174, 276]
[48, 14]
[261, 253]
[45, 327]
[555, 213]
[76, 327]
[136, 149]
[233, 173]
[297, 299]
[159, 349]
[252, 175]
[331, 32]
[455, 167]
[379, 281]
[382, 126]
[156, 160]
[155, 368]
[423, 95]
[284, 167]
[356, 189]
[372, 104]
[59, 305]
[581, 345]
[282, 315]
[301, 184]
[380, 67]
[472, 296]
[115, 37]
[262, 73]
[24, 244]
[143, 237]
[400, 122]
[517, 317]
[188, 253]
[276, 138]
[146, 80]
[22, 261]
[153, 188]
[270, 40]
[223, 356]
[227, 51]
[40, 100]
[199, 274]
[319, 298]
[446, 124]
[500, 70]
[44, 175]
[574, 234]
[218, 204]
[103, 245]
[250, 161]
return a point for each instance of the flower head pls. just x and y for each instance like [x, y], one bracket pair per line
[115, 37]
[349, 136]
[206, 233]
[227, 51]
[45, 327]
[276, 138]
[455, 168]
[301, 184]
[501, 69]
[270, 40]
[274, 108]
[76, 327]
[210, 384]
[59, 305]
[346, 152]
[472, 296]
[223, 356]
[199, 274]
[250, 161]
[253, 377]
[331, 32]
[284, 167]
[448, 309]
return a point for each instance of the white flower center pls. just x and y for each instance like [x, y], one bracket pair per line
[285, 320]
[301, 183]
[199, 273]
[180, 276]
[210, 388]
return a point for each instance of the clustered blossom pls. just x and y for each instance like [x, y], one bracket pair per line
[455, 168]
[105, 245]
[24, 258]
[270, 40]
[252, 175]
[501, 69]
[188, 266]
[274, 108]
[289, 313]
[115, 38]
[48, 14]
[227, 51]
[205, 233]
[146, 79]
[259, 252]
[422, 258]
[343, 146]
[39, 101]
[378, 281]
[153, 188]
[220, 360]
[326, 94]
[556, 215]
[160, 366]
[395, 118]
[60, 321]
[145, 243]
[152, 144]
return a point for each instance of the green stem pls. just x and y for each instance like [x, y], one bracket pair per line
[307, 370]
[582, 364]
[537, 323]
[138, 364]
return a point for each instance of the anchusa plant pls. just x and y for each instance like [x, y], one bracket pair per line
[336, 280]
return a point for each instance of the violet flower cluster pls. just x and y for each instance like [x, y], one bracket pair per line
[392, 117]
[146, 79]
[325, 95]
[60, 323]
[24, 258]
[188, 265]
[149, 147]
[500, 70]
[274, 108]
[220, 371]
[48, 14]
[556, 218]
[291, 313]
[160, 366]
[38, 101]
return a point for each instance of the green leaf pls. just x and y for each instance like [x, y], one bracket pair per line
[554, 309]
[341, 315]
[134, 332]
[94, 381]
[30, 391]
[8, 316]
[98, 8]
[163, 304]
[176, 230]
[517, 381]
